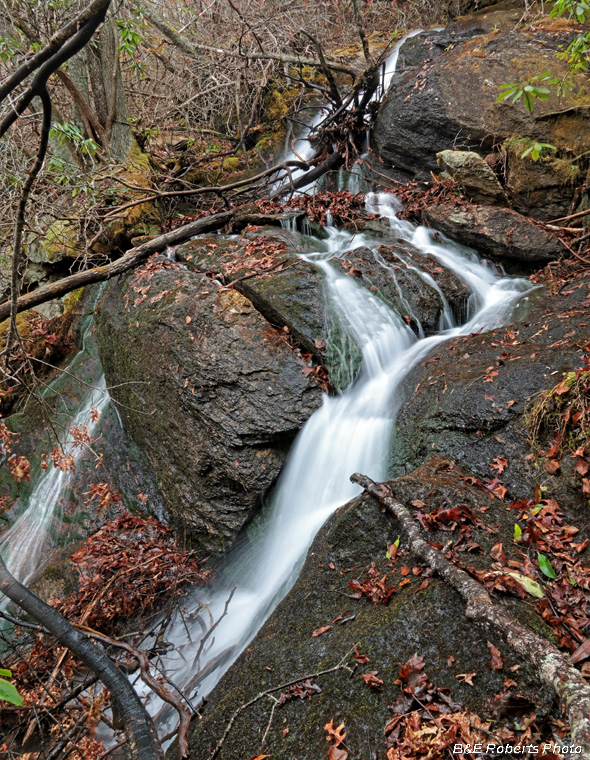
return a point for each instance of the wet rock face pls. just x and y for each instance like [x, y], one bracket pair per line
[430, 622]
[292, 296]
[443, 97]
[500, 233]
[467, 400]
[209, 392]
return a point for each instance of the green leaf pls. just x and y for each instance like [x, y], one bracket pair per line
[517, 532]
[531, 586]
[6, 673]
[545, 566]
[9, 694]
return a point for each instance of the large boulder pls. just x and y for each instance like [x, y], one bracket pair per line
[443, 96]
[500, 233]
[470, 400]
[429, 621]
[288, 290]
[207, 389]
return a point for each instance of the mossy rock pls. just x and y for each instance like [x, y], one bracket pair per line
[430, 622]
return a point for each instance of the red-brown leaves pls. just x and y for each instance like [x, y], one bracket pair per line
[321, 630]
[497, 661]
[342, 206]
[20, 468]
[125, 569]
[412, 674]
[374, 587]
[336, 736]
[306, 689]
[371, 680]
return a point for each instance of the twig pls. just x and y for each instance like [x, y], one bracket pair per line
[262, 694]
[554, 668]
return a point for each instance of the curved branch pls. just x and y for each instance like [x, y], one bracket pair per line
[20, 217]
[39, 81]
[554, 668]
[141, 735]
[131, 259]
[54, 44]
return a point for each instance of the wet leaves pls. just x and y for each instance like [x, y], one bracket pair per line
[497, 661]
[371, 680]
[300, 691]
[336, 737]
[374, 587]
[125, 569]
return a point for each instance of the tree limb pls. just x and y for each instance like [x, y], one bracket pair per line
[52, 47]
[196, 49]
[141, 735]
[39, 81]
[20, 218]
[554, 668]
[129, 260]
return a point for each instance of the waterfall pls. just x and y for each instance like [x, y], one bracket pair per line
[351, 432]
[30, 541]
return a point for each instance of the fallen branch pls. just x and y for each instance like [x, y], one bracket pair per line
[554, 668]
[334, 161]
[578, 215]
[128, 261]
[141, 735]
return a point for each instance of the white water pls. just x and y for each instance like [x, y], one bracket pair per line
[30, 541]
[27, 544]
[351, 432]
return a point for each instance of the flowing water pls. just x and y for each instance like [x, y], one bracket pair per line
[35, 533]
[351, 432]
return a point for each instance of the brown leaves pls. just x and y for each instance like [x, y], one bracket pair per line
[342, 206]
[323, 629]
[497, 661]
[499, 464]
[466, 677]
[307, 689]
[371, 680]
[337, 737]
[374, 587]
[412, 674]
[124, 569]
[20, 468]
[552, 466]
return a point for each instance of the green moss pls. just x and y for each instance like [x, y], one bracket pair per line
[71, 299]
[275, 106]
[232, 164]
[60, 240]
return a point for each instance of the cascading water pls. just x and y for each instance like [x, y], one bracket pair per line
[30, 541]
[351, 432]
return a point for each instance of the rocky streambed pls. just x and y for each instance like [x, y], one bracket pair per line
[218, 352]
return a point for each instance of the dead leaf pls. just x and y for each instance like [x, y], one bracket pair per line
[336, 735]
[467, 677]
[552, 466]
[371, 680]
[321, 630]
[497, 661]
[499, 464]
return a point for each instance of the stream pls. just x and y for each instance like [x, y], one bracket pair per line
[350, 432]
